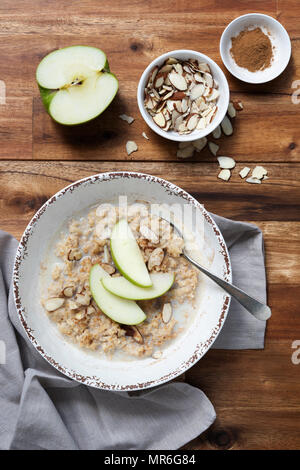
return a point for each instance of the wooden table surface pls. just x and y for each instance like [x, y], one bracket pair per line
[256, 393]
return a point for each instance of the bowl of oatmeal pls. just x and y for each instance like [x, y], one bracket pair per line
[71, 234]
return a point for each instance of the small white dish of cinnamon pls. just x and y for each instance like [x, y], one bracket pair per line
[255, 48]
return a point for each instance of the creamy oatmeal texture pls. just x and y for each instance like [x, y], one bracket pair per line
[67, 297]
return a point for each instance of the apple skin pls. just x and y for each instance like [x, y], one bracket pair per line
[47, 96]
[122, 272]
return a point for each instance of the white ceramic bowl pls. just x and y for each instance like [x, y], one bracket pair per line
[223, 99]
[88, 367]
[279, 38]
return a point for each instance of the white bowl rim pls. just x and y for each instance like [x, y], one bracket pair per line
[149, 121]
[22, 253]
[271, 19]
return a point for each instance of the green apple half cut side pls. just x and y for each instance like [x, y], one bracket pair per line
[127, 255]
[120, 310]
[161, 283]
[75, 84]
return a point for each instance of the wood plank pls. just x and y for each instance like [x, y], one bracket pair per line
[16, 128]
[266, 130]
[26, 189]
[31, 183]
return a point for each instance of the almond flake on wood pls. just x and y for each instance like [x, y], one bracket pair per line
[126, 118]
[231, 110]
[217, 132]
[131, 147]
[224, 175]
[244, 172]
[226, 162]
[259, 172]
[227, 126]
[187, 152]
[145, 135]
[213, 148]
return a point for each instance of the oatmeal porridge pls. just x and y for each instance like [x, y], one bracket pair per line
[67, 299]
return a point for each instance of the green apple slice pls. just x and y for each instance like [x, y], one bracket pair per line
[75, 84]
[161, 283]
[127, 255]
[120, 310]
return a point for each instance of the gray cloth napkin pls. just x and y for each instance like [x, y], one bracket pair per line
[42, 409]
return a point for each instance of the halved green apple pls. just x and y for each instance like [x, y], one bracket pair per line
[127, 255]
[120, 310]
[161, 283]
[76, 84]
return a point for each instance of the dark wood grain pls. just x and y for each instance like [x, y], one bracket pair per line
[255, 393]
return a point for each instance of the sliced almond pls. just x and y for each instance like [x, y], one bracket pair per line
[197, 91]
[244, 172]
[227, 126]
[201, 124]
[131, 147]
[178, 95]
[183, 145]
[155, 258]
[213, 95]
[259, 172]
[178, 81]
[166, 68]
[106, 255]
[231, 110]
[171, 61]
[178, 68]
[159, 80]
[83, 299]
[137, 336]
[199, 144]
[53, 304]
[238, 105]
[168, 95]
[217, 132]
[192, 122]
[108, 268]
[74, 255]
[68, 291]
[198, 77]
[186, 152]
[213, 148]
[159, 119]
[224, 175]
[167, 313]
[157, 355]
[126, 118]
[226, 162]
[208, 79]
[203, 67]
[147, 233]
[90, 310]
[253, 180]
[145, 135]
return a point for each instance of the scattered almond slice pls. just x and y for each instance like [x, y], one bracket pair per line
[265, 177]
[259, 172]
[226, 162]
[253, 180]
[199, 144]
[244, 172]
[160, 120]
[131, 147]
[147, 233]
[217, 132]
[157, 355]
[224, 175]
[166, 313]
[53, 304]
[186, 152]
[238, 105]
[227, 126]
[178, 81]
[126, 118]
[145, 135]
[183, 145]
[213, 148]
[137, 336]
[231, 110]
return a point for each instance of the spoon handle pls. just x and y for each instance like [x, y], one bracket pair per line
[256, 308]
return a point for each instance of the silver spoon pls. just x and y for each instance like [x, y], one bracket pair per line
[256, 308]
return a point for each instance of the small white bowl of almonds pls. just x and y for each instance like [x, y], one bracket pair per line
[183, 95]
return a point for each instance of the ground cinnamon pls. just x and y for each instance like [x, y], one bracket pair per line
[252, 49]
